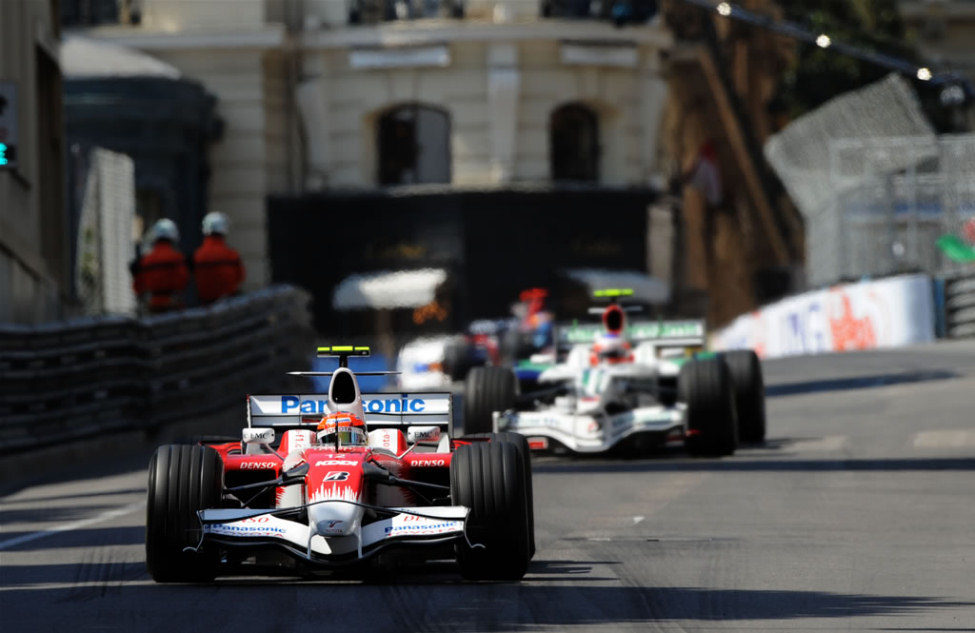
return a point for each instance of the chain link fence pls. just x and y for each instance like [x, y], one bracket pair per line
[876, 186]
[891, 201]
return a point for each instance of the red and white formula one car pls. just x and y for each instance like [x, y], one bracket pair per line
[342, 480]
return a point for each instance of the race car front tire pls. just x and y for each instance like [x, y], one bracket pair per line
[520, 443]
[182, 480]
[487, 389]
[749, 386]
[705, 386]
[489, 478]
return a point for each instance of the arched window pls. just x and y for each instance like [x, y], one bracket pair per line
[574, 133]
[414, 145]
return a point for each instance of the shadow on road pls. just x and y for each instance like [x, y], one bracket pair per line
[48, 514]
[855, 382]
[924, 628]
[8, 501]
[115, 572]
[445, 606]
[538, 570]
[84, 537]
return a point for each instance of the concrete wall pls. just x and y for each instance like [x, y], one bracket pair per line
[33, 255]
[190, 15]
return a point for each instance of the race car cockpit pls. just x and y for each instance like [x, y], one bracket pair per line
[342, 430]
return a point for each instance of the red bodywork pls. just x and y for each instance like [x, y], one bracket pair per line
[338, 473]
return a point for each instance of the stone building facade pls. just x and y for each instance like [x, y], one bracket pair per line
[945, 34]
[502, 88]
[33, 246]
[320, 95]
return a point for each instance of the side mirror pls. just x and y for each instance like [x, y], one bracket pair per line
[423, 435]
[262, 436]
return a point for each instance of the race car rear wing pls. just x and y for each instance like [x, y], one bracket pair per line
[676, 333]
[383, 410]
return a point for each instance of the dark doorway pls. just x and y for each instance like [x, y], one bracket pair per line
[166, 126]
[574, 134]
[50, 143]
[414, 146]
[493, 244]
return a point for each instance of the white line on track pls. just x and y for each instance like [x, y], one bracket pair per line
[74, 525]
[828, 443]
[944, 439]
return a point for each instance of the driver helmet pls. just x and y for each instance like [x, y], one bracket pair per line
[342, 429]
[611, 348]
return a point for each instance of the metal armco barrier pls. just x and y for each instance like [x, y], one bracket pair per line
[959, 298]
[73, 380]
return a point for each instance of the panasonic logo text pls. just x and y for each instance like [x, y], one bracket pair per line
[294, 404]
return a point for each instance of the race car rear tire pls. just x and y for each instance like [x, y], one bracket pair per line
[515, 345]
[182, 480]
[749, 386]
[705, 386]
[457, 360]
[524, 453]
[487, 389]
[489, 478]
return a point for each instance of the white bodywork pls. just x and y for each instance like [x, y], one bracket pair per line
[420, 363]
[258, 525]
[580, 419]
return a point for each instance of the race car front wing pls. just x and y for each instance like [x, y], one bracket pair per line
[598, 432]
[407, 526]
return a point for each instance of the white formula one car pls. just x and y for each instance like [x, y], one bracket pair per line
[630, 387]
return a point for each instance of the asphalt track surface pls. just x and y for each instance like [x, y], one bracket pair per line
[857, 514]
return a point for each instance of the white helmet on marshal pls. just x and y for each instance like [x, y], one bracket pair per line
[164, 229]
[215, 223]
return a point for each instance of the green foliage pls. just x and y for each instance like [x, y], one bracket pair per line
[819, 74]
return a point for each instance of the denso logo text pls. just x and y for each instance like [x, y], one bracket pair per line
[257, 465]
[428, 462]
[293, 404]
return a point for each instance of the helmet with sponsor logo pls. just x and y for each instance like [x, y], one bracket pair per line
[611, 349]
[342, 429]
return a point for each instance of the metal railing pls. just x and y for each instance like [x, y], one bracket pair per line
[373, 11]
[893, 198]
[621, 11]
[959, 303]
[74, 380]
